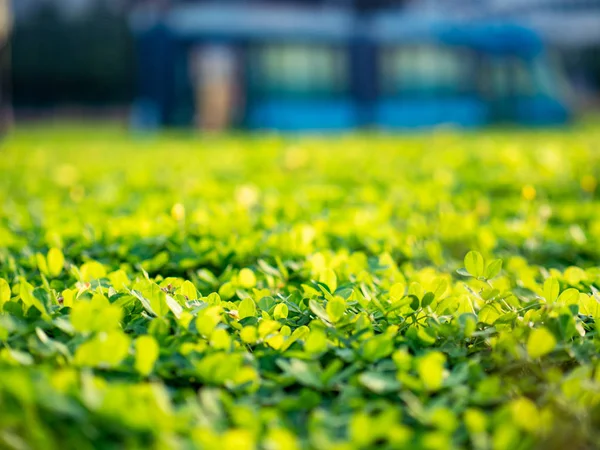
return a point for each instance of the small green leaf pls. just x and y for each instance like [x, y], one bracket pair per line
[493, 269]
[335, 308]
[95, 315]
[568, 297]
[247, 308]
[378, 382]
[92, 270]
[105, 350]
[303, 372]
[525, 414]
[430, 368]
[378, 347]
[41, 263]
[318, 310]
[474, 264]
[4, 292]
[329, 278]
[551, 289]
[56, 262]
[397, 291]
[29, 299]
[158, 299]
[540, 343]
[427, 299]
[316, 341]
[146, 354]
[246, 278]
[206, 323]
[189, 290]
[174, 306]
[441, 286]
[220, 339]
[281, 311]
[249, 335]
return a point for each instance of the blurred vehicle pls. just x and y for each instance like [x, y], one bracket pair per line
[465, 74]
[304, 67]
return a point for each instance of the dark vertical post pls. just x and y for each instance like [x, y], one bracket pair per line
[363, 69]
[154, 77]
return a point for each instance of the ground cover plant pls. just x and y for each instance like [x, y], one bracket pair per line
[432, 292]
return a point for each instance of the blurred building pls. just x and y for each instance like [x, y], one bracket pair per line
[327, 63]
[339, 64]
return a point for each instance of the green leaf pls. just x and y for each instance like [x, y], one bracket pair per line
[189, 290]
[430, 368]
[247, 308]
[335, 308]
[146, 354]
[158, 299]
[378, 383]
[246, 278]
[281, 311]
[205, 324]
[316, 342]
[41, 263]
[427, 299]
[378, 347]
[540, 343]
[174, 306]
[220, 339]
[493, 269]
[568, 297]
[4, 292]
[29, 299]
[56, 262]
[303, 372]
[474, 264]
[92, 270]
[319, 311]
[105, 350]
[329, 278]
[397, 291]
[551, 289]
[525, 414]
[95, 315]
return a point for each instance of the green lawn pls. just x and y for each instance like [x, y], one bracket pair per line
[428, 291]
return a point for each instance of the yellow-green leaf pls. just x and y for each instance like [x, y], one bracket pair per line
[493, 269]
[474, 264]
[430, 368]
[281, 311]
[220, 339]
[4, 292]
[525, 414]
[247, 308]
[41, 263]
[568, 297]
[92, 270]
[329, 278]
[246, 278]
[316, 342]
[146, 354]
[56, 262]
[540, 343]
[551, 289]
[335, 308]
[397, 291]
[189, 290]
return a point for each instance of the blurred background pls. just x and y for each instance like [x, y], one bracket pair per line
[300, 65]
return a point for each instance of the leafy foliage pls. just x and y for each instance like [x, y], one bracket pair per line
[425, 292]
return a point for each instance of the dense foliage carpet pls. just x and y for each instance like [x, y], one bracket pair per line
[431, 291]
